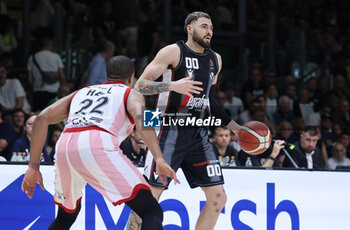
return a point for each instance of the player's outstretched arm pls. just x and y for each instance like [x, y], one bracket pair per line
[135, 104]
[51, 115]
[168, 56]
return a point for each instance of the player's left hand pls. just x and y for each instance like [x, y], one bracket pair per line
[163, 169]
[31, 178]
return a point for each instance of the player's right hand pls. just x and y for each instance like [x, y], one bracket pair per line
[31, 178]
[163, 169]
[279, 144]
[186, 86]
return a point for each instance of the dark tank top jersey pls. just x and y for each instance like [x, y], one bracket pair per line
[202, 67]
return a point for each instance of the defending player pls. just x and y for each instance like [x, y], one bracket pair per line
[189, 73]
[99, 118]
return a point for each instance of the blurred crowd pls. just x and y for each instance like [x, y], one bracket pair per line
[300, 102]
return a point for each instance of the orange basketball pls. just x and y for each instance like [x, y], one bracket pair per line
[254, 137]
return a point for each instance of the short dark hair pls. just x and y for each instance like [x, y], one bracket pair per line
[220, 127]
[18, 110]
[311, 130]
[194, 16]
[45, 42]
[120, 68]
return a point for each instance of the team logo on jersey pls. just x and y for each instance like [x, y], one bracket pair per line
[198, 102]
[151, 118]
[190, 72]
[211, 75]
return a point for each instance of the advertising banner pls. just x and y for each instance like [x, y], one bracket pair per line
[257, 199]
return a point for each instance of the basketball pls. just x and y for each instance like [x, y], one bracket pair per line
[254, 137]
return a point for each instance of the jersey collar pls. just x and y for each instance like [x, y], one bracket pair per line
[112, 82]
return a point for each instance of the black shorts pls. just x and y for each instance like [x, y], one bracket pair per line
[190, 150]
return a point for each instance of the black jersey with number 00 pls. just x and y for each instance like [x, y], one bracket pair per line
[202, 67]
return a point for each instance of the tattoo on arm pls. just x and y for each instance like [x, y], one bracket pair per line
[135, 222]
[147, 87]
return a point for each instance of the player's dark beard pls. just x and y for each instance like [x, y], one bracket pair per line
[199, 40]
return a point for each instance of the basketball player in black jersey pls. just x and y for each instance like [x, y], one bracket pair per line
[188, 72]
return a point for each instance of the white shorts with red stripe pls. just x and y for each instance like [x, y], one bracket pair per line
[93, 157]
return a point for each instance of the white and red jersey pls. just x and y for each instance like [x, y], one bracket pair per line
[91, 107]
[88, 149]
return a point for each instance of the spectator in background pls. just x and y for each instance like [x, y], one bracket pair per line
[271, 99]
[7, 60]
[299, 127]
[45, 73]
[233, 103]
[12, 94]
[21, 147]
[8, 41]
[284, 82]
[337, 130]
[246, 115]
[262, 99]
[322, 90]
[7, 137]
[269, 78]
[284, 112]
[97, 66]
[125, 12]
[234, 142]
[135, 149]
[338, 157]
[63, 90]
[225, 152]
[312, 88]
[285, 132]
[260, 115]
[321, 145]
[224, 15]
[320, 109]
[267, 159]
[106, 23]
[342, 115]
[51, 142]
[333, 101]
[328, 137]
[341, 88]
[305, 153]
[304, 107]
[344, 139]
[44, 16]
[253, 87]
[147, 36]
[291, 92]
[79, 23]
[221, 99]
[17, 120]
